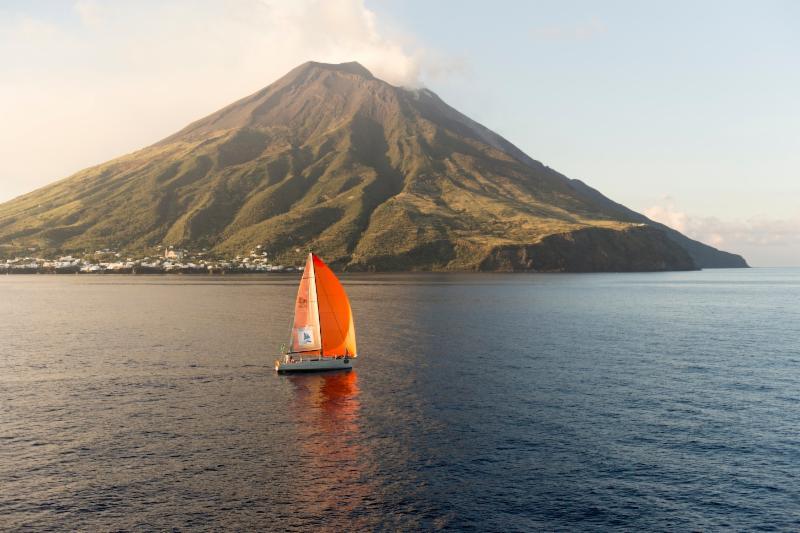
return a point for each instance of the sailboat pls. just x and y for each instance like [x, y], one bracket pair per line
[323, 336]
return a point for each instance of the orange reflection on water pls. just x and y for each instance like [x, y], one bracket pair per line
[327, 410]
[335, 393]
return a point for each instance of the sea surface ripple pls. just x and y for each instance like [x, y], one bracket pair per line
[596, 402]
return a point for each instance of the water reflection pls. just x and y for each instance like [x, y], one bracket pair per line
[326, 409]
[327, 398]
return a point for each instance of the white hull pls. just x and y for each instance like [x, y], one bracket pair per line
[312, 364]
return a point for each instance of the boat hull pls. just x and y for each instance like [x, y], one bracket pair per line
[324, 364]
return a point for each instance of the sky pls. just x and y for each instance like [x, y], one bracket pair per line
[685, 111]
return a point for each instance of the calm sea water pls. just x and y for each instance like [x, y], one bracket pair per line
[663, 401]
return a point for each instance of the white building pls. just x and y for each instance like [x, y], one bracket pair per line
[175, 254]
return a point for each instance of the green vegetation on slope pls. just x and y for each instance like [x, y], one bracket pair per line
[369, 175]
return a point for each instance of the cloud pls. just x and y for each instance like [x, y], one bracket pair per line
[90, 13]
[762, 240]
[110, 77]
[268, 35]
[667, 214]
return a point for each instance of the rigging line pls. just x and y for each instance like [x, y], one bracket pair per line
[291, 325]
[293, 317]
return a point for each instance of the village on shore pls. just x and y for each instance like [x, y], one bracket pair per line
[168, 260]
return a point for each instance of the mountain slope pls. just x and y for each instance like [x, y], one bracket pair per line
[370, 175]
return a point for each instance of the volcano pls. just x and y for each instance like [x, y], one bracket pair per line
[368, 175]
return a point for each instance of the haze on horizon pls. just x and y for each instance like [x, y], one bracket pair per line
[685, 112]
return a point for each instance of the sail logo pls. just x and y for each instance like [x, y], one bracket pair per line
[305, 336]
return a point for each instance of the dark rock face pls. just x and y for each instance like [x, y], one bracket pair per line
[368, 175]
[639, 249]
[704, 256]
[432, 256]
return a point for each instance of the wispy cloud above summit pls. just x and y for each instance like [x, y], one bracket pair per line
[262, 35]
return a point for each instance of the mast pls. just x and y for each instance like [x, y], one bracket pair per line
[310, 261]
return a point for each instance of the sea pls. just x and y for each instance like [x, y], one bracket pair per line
[479, 402]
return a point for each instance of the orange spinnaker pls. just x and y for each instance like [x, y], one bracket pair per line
[335, 316]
